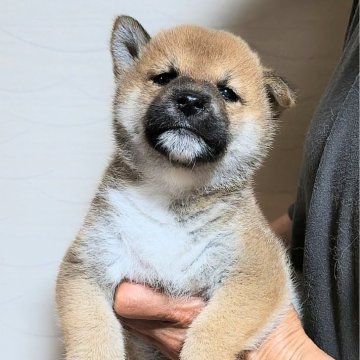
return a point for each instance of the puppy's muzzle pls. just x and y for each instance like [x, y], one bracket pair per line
[187, 122]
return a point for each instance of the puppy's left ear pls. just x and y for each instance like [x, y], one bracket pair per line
[127, 41]
[280, 94]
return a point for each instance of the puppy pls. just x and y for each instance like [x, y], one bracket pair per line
[194, 114]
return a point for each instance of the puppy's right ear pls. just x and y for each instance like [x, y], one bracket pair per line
[127, 40]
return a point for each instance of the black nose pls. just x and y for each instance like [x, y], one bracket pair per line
[191, 103]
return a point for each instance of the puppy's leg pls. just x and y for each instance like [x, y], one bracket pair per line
[244, 308]
[91, 329]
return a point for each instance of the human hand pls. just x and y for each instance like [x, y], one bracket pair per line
[157, 318]
[163, 322]
[288, 341]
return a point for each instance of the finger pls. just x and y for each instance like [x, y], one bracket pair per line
[170, 349]
[169, 353]
[171, 337]
[135, 301]
[151, 325]
[162, 331]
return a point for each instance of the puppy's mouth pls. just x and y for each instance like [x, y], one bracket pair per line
[182, 145]
[182, 129]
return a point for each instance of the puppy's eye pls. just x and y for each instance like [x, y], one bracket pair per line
[228, 94]
[164, 78]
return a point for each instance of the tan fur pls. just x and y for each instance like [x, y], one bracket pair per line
[257, 289]
[86, 316]
[190, 41]
[230, 321]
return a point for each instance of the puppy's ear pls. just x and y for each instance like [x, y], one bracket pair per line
[127, 40]
[280, 94]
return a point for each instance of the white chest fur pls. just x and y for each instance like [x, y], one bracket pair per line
[142, 240]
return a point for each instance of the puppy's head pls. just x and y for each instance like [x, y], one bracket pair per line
[193, 101]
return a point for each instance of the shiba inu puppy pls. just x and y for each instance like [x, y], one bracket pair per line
[194, 113]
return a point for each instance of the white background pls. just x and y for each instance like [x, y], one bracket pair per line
[55, 96]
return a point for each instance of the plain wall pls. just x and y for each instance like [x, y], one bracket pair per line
[55, 137]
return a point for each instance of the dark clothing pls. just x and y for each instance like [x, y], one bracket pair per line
[326, 212]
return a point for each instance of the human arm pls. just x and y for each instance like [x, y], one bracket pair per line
[282, 227]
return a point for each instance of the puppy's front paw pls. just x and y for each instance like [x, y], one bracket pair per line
[201, 345]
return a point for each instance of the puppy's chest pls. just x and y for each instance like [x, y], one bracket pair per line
[181, 250]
